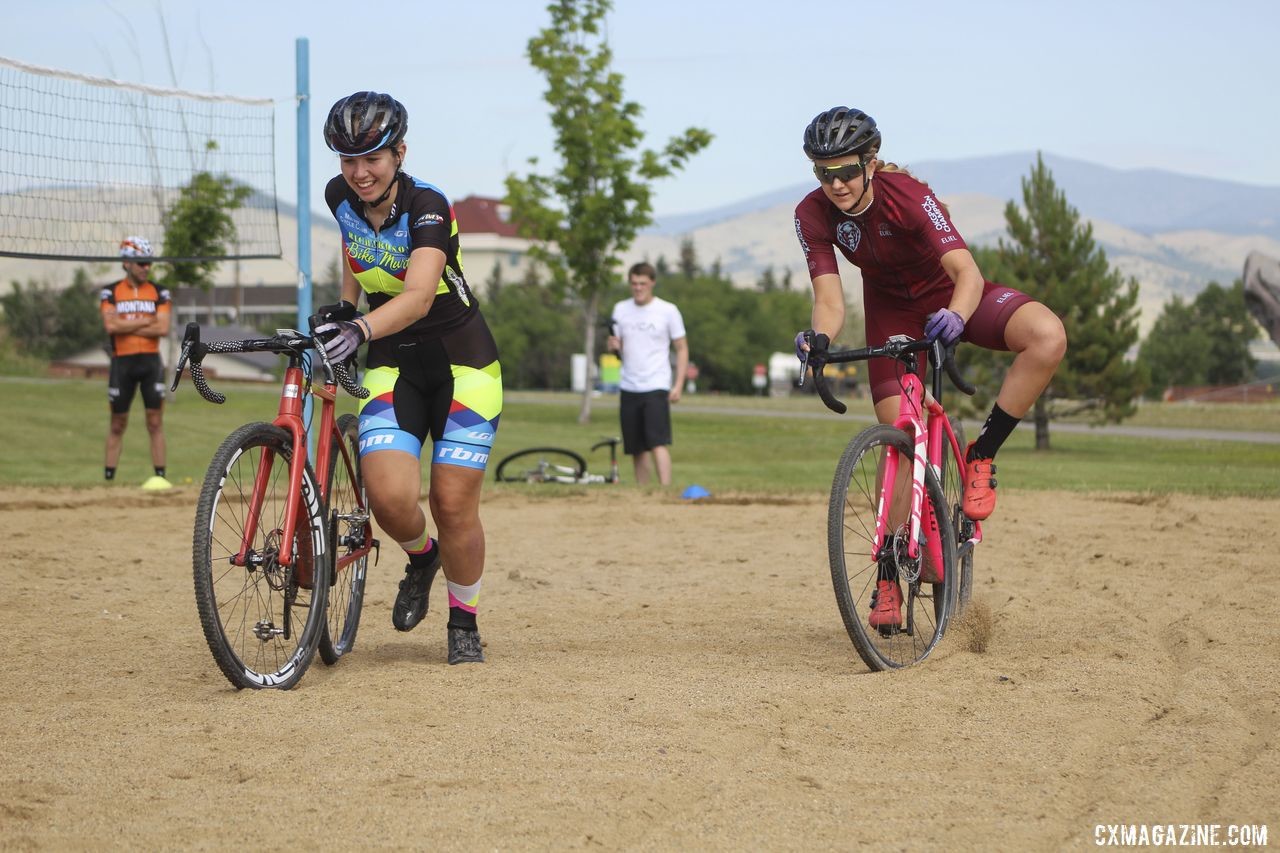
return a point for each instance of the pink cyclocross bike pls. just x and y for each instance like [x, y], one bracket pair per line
[900, 547]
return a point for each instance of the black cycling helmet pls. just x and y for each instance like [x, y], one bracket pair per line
[364, 122]
[839, 132]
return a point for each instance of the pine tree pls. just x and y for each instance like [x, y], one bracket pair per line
[1053, 257]
[1201, 342]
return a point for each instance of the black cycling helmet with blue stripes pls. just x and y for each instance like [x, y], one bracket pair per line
[364, 122]
[839, 132]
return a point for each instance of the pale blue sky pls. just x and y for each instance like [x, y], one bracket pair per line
[1169, 84]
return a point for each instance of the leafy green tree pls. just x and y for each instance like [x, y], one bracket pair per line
[1053, 257]
[1201, 342]
[730, 329]
[198, 228]
[537, 330]
[50, 323]
[591, 207]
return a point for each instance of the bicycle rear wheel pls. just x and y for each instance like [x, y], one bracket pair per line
[926, 608]
[350, 534]
[261, 619]
[953, 490]
[540, 465]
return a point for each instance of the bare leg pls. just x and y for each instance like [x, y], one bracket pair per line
[115, 437]
[394, 482]
[1036, 335]
[662, 458]
[641, 461]
[455, 506]
[887, 412]
[155, 428]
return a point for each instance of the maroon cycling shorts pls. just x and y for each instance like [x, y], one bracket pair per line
[888, 315]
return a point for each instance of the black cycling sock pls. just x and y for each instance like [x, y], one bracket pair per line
[427, 559]
[460, 618]
[109, 473]
[999, 426]
[159, 470]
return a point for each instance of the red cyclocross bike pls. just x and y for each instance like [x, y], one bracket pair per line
[900, 547]
[280, 547]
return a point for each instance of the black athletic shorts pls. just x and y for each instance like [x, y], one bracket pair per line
[646, 420]
[128, 373]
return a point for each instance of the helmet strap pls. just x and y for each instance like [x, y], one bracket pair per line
[394, 180]
[866, 187]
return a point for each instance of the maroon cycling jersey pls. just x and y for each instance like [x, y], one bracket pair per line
[898, 242]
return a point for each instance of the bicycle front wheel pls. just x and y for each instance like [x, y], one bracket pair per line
[914, 629]
[953, 490]
[540, 465]
[350, 537]
[262, 619]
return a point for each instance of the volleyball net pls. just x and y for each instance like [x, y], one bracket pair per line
[86, 161]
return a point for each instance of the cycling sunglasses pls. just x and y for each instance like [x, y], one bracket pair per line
[845, 173]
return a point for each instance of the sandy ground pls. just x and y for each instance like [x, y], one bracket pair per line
[661, 675]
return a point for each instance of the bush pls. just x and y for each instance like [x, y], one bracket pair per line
[50, 324]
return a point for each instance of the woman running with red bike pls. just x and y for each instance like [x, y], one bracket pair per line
[918, 280]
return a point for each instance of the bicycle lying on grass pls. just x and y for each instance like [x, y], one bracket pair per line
[280, 548]
[556, 465]
[900, 547]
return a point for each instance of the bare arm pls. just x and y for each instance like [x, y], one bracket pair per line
[350, 287]
[117, 325]
[682, 368]
[157, 325]
[420, 282]
[963, 270]
[828, 305]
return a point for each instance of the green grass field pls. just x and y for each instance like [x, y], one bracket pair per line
[726, 444]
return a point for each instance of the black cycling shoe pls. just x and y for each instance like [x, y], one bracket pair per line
[411, 601]
[464, 646]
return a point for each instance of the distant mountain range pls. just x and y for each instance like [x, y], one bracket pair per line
[1174, 233]
[1147, 201]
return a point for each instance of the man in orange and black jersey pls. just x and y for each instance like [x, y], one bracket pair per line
[135, 314]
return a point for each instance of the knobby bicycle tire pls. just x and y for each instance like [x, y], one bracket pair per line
[350, 531]
[927, 607]
[529, 466]
[953, 489]
[262, 620]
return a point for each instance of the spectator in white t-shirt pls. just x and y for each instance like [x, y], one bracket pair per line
[645, 329]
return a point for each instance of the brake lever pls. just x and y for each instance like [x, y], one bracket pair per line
[804, 362]
[182, 363]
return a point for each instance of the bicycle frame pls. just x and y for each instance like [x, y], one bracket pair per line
[926, 435]
[289, 418]
[296, 386]
[926, 424]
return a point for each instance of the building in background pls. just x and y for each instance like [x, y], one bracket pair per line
[490, 243]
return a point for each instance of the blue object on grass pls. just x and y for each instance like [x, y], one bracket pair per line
[694, 492]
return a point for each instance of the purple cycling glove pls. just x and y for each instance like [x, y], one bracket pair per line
[945, 324]
[347, 338]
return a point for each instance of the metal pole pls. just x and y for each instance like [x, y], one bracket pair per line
[304, 206]
[304, 185]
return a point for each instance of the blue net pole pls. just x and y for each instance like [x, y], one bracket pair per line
[304, 208]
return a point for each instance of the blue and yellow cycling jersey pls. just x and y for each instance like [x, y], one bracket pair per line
[379, 257]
